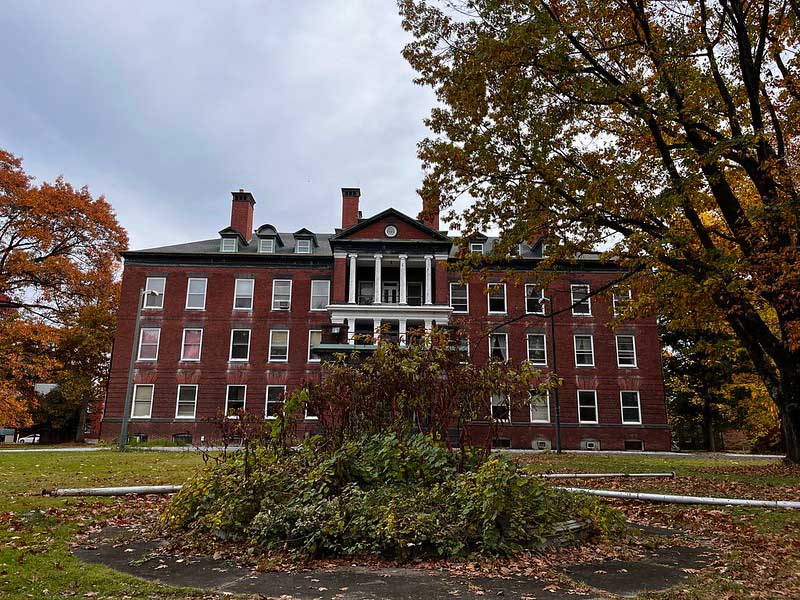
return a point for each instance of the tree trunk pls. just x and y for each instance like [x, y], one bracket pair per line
[790, 423]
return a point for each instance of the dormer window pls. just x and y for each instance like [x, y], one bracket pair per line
[303, 247]
[228, 245]
[476, 247]
[266, 246]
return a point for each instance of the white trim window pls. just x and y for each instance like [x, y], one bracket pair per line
[192, 344]
[626, 352]
[498, 346]
[320, 294]
[476, 247]
[228, 245]
[537, 348]
[581, 300]
[276, 398]
[459, 297]
[266, 245]
[149, 339]
[302, 247]
[496, 293]
[540, 406]
[281, 294]
[243, 294]
[186, 405]
[631, 407]
[142, 405]
[534, 299]
[463, 348]
[314, 338]
[278, 345]
[154, 301]
[584, 350]
[501, 408]
[196, 293]
[620, 300]
[587, 407]
[240, 345]
[235, 398]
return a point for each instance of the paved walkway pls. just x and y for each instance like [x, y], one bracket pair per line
[662, 569]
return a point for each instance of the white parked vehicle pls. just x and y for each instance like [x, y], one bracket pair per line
[29, 439]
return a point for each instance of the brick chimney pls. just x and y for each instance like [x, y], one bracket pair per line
[430, 212]
[242, 213]
[350, 212]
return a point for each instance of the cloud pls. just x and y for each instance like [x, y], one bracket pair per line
[167, 107]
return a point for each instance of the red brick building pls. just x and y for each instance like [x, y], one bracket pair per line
[239, 319]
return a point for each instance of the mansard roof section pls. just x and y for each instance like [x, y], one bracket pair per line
[285, 245]
[230, 232]
[374, 228]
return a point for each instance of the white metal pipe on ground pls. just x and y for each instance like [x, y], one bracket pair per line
[114, 491]
[685, 499]
[602, 475]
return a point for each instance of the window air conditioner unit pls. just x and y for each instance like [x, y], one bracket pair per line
[592, 445]
[541, 445]
[283, 304]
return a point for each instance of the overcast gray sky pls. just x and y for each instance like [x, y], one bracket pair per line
[165, 107]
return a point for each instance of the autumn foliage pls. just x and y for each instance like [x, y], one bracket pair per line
[665, 132]
[59, 252]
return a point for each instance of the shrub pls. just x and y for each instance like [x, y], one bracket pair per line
[399, 498]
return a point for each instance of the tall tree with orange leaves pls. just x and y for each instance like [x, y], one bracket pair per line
[59, 258]
[667, 131]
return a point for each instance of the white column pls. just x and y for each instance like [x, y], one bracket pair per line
[428, 279]
[378, 283]
[350, 330]
[401, 331]
[352, 295]
[376, 326]
[403, 285]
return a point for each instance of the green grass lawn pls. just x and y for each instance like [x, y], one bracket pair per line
[761, 548]
[35, 531]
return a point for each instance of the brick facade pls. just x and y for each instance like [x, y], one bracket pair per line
[331, 260]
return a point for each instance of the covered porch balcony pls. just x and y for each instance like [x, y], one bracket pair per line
[397, 279]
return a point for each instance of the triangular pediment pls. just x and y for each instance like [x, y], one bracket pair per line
[375, 228]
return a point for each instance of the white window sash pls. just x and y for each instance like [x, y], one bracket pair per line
[622, 407]
[236, 294]
[587, 300]
[190, 293]
[327, 294]
[228, 245]
[466, 293]
[141, 343]
[544, 346]
[631, 353]
[305, 244]
[230, 353]
[267, 400]
[504, 402]
[266, 246]
[178, 401]
[546, 398]
[136, 388]
[152, 297]
[228, 395]
[591, 350]
[272, 332]
[503, 346]
[495, 286]
[540, 310]
[275, 283]
[310, 333]
[596, 413]
[183, 345]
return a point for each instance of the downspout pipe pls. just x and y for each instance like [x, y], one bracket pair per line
[685, 499]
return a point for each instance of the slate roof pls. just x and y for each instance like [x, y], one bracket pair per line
[213, 247]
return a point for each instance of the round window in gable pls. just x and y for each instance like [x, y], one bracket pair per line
[390, 231]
